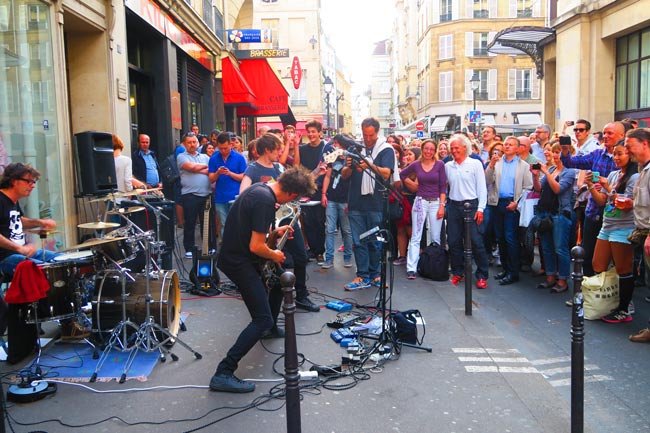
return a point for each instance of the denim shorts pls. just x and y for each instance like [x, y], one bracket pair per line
[615, 235]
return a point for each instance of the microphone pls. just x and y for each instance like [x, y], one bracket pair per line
[354, 156]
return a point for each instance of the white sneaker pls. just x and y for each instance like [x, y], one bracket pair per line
[188, 255]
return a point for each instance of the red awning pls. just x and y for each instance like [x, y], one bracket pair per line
[236, 91]
[271, 97]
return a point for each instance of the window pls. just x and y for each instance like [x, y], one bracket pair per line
[480, 44]
[446, 86]
[218, 22]
[6, 97]
[4, 18]
[384, 109]
[524, 8]
[445, 10]
[523, 84]
[480, 9]
[38, 54]
[446, 47]
[40, 96]
[37, 17]
[482, 91]
[274, 26]
[633, 71]
[384, 86]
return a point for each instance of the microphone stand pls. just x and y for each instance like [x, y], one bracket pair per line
[382, 236]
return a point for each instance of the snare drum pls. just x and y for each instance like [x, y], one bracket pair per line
[83, 260]
[120, 250]
[64, 298]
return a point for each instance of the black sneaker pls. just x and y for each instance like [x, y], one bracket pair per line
[230, 383]
[320, 259]
[274, 332]
[306, 304]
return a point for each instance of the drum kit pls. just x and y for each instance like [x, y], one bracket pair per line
[130, 311]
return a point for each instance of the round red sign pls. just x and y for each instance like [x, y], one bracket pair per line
[419, 126]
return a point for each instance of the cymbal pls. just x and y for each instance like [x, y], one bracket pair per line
[121, 210]
[43, 232]
[91, 243]
[99, 225]
[110, 196]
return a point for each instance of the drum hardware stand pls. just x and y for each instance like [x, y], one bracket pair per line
[146, 339]
[119, 338]
[144, 235]
[158, 245]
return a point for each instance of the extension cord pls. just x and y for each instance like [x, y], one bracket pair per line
[326, 370]
[308, 375]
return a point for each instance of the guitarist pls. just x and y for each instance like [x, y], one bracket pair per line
[244, 244]
[265, 169]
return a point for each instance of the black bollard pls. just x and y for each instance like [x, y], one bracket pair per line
[577, 344]
[291, 375]
[468, 259]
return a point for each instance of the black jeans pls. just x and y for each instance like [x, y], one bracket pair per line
[193, 207]
[589, 234]
[455, 237]
[263, 307]
[314, 220]
[296, 247]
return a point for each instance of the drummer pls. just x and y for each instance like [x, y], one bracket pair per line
[17, 182]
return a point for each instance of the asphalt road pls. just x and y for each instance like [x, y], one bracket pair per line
[506, 368]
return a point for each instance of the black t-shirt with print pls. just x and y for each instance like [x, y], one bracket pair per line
[11, 226]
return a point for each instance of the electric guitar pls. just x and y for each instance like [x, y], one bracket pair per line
[204, 274]
[271, 271]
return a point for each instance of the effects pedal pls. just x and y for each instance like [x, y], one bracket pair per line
[344, 321]
[339, 306]
[342, 333]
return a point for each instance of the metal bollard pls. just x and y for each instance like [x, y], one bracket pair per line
[577, 344]
[291, 375]
[468, 259]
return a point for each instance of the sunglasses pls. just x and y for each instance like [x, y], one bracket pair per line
[579, 129]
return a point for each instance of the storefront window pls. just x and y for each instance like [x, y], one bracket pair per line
[28, 121]
[633, 71]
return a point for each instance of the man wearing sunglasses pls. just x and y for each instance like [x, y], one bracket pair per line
[17, 182]
[585, 144]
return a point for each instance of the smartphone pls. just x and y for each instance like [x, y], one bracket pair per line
[537, 166]
[570, 123]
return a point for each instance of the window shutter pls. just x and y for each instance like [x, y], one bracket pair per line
[537, 9]
[469, 9]
[435, 11]
[512, 83]
[534, 84]
[492, 8]
[512, 8]
[468, 86]
[491, 36]
[492, 84]
[454, 9]
[469, 44]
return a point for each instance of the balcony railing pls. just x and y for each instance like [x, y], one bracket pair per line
[482, 14]
[445, 17]
[524, 95]
[481, 96]
[299, 102]
[524, 13]
[479, 52]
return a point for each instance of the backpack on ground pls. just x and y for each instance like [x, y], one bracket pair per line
[434, 263]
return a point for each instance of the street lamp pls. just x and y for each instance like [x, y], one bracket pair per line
[475, 82]
[329, 86]
[339, 97]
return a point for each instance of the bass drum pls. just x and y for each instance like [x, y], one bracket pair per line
[165, 302]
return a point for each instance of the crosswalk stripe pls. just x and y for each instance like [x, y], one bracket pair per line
[499, 369]
[545, 361]
[490, 359]
[594, 378]
[561, 370]
[483, 350]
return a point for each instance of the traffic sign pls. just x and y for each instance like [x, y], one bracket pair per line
[474, 116]
[419, 134]
[419, 126]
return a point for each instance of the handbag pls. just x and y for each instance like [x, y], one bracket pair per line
[600, 293]
[395, 208]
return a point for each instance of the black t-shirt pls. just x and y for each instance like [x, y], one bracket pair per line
[11, 226]
[253, 211]
[337, 191]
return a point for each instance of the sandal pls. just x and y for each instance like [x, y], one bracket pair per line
[559, 288]
[546, 284]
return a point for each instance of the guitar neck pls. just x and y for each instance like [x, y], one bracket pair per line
[285, 236]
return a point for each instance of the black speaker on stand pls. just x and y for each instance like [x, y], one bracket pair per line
[94, 163]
